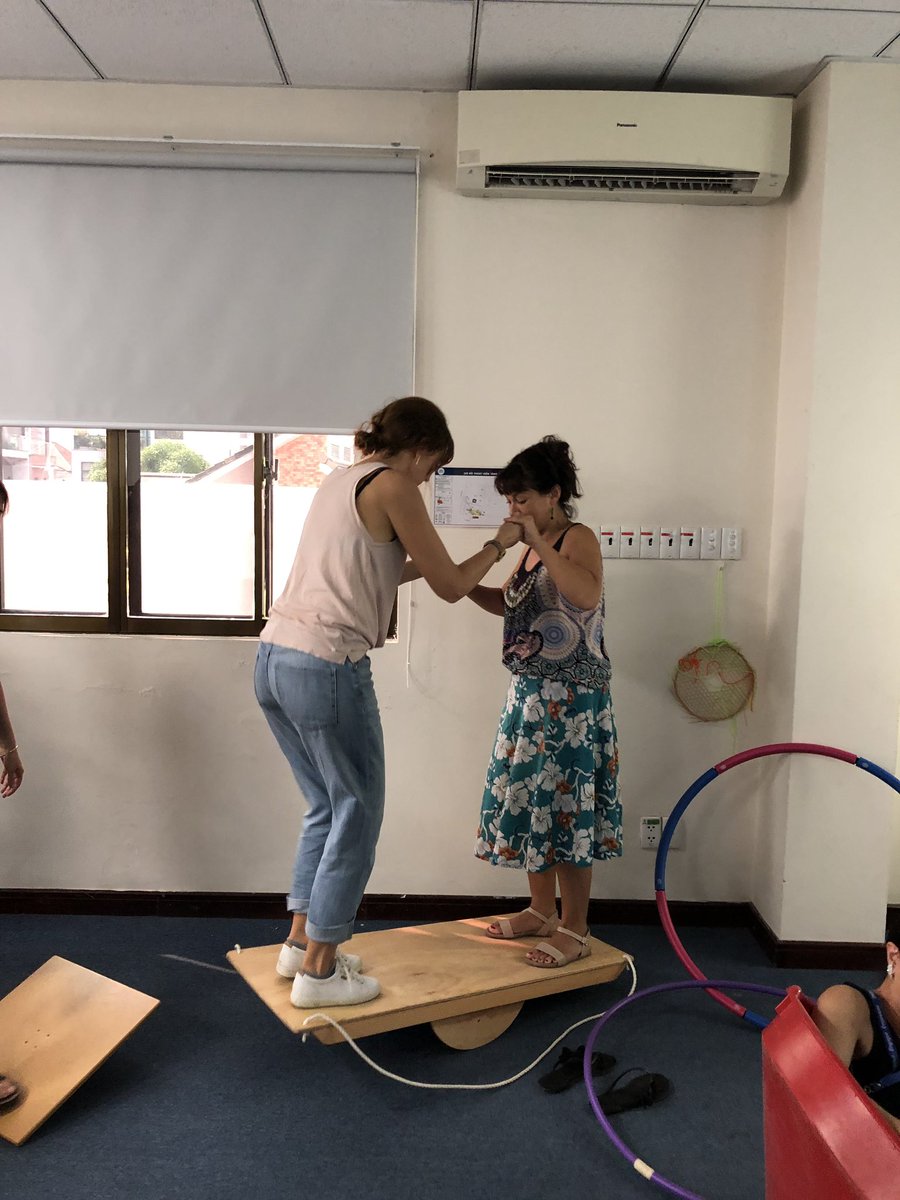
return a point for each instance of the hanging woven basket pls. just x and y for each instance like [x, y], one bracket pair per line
[714, 682]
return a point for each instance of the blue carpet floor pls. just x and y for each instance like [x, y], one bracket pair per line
[213, 1098]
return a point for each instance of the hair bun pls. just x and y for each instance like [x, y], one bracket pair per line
[365, 441]
[556, 446]
[410, 423]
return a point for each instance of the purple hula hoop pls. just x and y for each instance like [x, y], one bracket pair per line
[643, 1169]
[699, 980]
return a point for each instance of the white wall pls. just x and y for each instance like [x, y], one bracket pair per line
[848, 661]
[796, 379]
[647, 335]
[835, 578]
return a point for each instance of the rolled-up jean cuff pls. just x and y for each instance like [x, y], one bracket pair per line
[333, 934]
[297, 906]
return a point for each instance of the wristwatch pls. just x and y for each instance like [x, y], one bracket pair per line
[498, 546]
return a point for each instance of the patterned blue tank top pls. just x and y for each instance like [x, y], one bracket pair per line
[546, 636]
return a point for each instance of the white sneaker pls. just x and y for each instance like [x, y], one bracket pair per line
[290, 961]
[345, 986]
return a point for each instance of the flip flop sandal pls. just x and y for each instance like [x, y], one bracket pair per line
[15, 1097]
[506, 930]
[640, 1092]
[570, 1068]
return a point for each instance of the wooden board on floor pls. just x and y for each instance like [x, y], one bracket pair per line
[428, 973]
[56, 1028]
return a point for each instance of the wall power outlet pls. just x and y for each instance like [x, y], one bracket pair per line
[651, 832]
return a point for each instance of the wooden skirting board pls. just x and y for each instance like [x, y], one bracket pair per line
[56, 1028]
[467, 986]
[831, 956]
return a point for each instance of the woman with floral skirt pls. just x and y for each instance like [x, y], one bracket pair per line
[551, 802]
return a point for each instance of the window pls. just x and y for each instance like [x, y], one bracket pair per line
[130, 531]
[149, 295]
[301, 463]
[55, 545]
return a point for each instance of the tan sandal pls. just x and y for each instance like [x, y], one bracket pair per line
[12, 1097]
[506, 930]
[562, 960]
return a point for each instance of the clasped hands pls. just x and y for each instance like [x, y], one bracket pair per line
[518, 529]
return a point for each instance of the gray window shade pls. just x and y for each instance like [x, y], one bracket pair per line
[193, 298]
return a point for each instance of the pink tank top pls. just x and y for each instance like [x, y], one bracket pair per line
[338, 598]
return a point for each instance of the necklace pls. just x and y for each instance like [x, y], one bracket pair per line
[524, 579]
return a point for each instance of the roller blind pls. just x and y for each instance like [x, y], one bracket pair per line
[205, 297]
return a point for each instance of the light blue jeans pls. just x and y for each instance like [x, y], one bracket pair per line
[325, 719]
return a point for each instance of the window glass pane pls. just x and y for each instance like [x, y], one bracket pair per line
[197, 523]
[304, 459]
[54, 535]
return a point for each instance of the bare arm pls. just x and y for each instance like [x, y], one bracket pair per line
[488, 598]
[405, 509]
[577, 569]
[842, 1017]
[11, 769]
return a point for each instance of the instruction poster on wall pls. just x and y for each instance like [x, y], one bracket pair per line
[466, 496]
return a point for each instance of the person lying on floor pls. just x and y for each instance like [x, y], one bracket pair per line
[862, 1027]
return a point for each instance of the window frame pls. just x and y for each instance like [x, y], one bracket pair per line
[124, 565]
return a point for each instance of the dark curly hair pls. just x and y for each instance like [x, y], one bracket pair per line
[540, 468]
[411, 423]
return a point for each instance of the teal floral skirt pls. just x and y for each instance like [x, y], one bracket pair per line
[552, 793]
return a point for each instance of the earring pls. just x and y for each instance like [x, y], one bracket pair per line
[890, 970]
[552, 511]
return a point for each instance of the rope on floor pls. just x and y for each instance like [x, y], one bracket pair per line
[461, 1087]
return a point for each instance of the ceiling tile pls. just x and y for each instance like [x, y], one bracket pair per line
[33, 47]
[589, 1]
[773, 51]
[179, 41]
[823, 5]
[564, 44]
[405, 44]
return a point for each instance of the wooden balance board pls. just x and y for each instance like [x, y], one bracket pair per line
[467, 986]
[56, 1028]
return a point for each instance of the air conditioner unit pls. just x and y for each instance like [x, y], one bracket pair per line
[675, 147]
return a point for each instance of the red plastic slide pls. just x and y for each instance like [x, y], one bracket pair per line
[824, 1140]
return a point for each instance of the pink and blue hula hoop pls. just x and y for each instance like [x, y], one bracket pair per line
[678, 812]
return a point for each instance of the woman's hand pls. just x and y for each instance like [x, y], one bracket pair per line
[509, 533]
[528, 531]
[12, 773]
